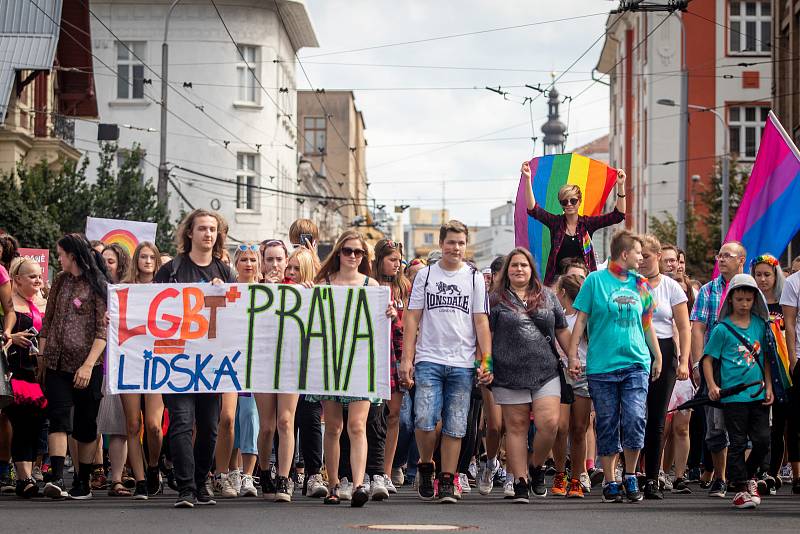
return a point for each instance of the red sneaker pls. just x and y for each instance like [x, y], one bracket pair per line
[743, 500]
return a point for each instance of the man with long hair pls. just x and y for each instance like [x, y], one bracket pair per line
[200, 241]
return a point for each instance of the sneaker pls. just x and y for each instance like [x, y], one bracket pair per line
[632, 489]
[345, 489]
[586, 483]
[763, 487]
[378, 490]
[559, 488]
[223, 486]
[248, 488]
[446, 488]
[26, 489]
[778, 485]
[283, 492]
[575, 489]
[360, 497]
[186, 499]
[55, 489]
[486, 479]
[538, 487]
[718, 489]
[521, 492]
[597, 476]
[153, 481]
[752, 489]
[81, 492]
[207, 487]
[796, 486]
[387, 481]
[786, 473]
[549, 468]
[235, 478]
[693, 475]
[463, 480]
[315, 487]
[205, 495]
[98, 480]
[298, 481]
[398, 477]
[267, 484]
[664, 481]
[704, 484]
[508, 487]
[425, 475]
[771, 485]
[612, 492]
[652, 491]
[743, 500]
[140, 491]
[457, 491]
[36, 473]
[680, 487]
[172, 483]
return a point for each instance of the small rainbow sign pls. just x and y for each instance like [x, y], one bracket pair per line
[127, 234]
[548, 173]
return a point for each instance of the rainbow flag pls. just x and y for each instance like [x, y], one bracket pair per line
[548, 173]
[768, 217]
[783, 355]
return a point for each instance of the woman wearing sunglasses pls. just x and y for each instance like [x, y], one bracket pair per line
[347, 265]
[570, 233]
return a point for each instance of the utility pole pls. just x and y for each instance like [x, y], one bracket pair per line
[163, 172]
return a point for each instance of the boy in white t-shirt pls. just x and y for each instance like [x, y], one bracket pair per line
[447, 314]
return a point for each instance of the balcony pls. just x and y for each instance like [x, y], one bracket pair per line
[64, 129]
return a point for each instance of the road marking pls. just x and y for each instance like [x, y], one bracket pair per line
[406, 527]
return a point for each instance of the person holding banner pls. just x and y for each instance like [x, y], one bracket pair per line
[73, 340]
[347, 265]
[570, 233]
[146, 262]
[201, 239]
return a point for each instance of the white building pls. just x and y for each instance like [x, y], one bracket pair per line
[498, 238]
[239, 136]
[728, 59]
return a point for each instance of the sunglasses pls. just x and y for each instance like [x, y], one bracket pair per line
[356, 252]
[245, 248]
[273, 243]
[569, 202]
[393, 245]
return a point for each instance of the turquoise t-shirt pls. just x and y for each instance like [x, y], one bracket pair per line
[616, 335]
[737, 364]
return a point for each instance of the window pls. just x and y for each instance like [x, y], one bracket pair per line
[745, 126]
[247, 72]
[246, 181]
[130, 71]
[428, 238]
[750, 27]
[314, 136]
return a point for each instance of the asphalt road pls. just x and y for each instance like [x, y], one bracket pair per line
[681, 514]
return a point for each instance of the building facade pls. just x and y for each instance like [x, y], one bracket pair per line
[421, 234]
[232, 133]
[728, 57]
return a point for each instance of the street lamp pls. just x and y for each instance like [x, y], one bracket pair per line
[163, 173]
[726, 185]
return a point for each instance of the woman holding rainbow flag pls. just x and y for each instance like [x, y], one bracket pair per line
[570, 233]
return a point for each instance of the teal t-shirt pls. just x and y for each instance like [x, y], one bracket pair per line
[737, 364]
[614, 326]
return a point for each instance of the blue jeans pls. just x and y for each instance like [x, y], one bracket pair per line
[620, 399]
[442, 393]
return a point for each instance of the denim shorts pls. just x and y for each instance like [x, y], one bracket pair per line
[245, 435]
[442, 394]
[620, 400]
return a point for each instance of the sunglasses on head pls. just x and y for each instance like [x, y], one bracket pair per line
[355, 252]
[393, 245]
[570, 202]
[245, 248]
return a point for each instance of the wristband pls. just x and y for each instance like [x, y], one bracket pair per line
[486, 363]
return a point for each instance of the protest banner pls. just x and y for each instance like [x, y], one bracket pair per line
[127, 234]
[175, 338]
[39, 255]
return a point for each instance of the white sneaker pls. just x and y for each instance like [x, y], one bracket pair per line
[315, 487]
[378, 490]
[248, 488]
[36, 473]
[387, 481]
[345, 489]
[508, 486]
[235, 477]
[223, 487]
[586, 482]
[464, 481]
[398, 477]
[486, 479]
[209, 483]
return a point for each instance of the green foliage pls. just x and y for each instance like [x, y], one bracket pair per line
[39, 204]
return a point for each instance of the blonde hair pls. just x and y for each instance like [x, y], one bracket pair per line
[17, 263]
[651, 243]
[133, 272]
[309, 264]
[569, 189]
[239, 253]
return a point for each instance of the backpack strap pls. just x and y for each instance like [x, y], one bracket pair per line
[176, 264]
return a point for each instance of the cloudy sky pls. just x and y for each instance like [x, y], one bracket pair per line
[432, 126]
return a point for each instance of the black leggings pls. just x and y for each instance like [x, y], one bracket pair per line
[376, 444]
[785, 421]
[309, 428]
[658, 396]
[26, 424]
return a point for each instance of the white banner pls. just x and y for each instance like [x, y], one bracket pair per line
[128, 234]
[175, 338]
